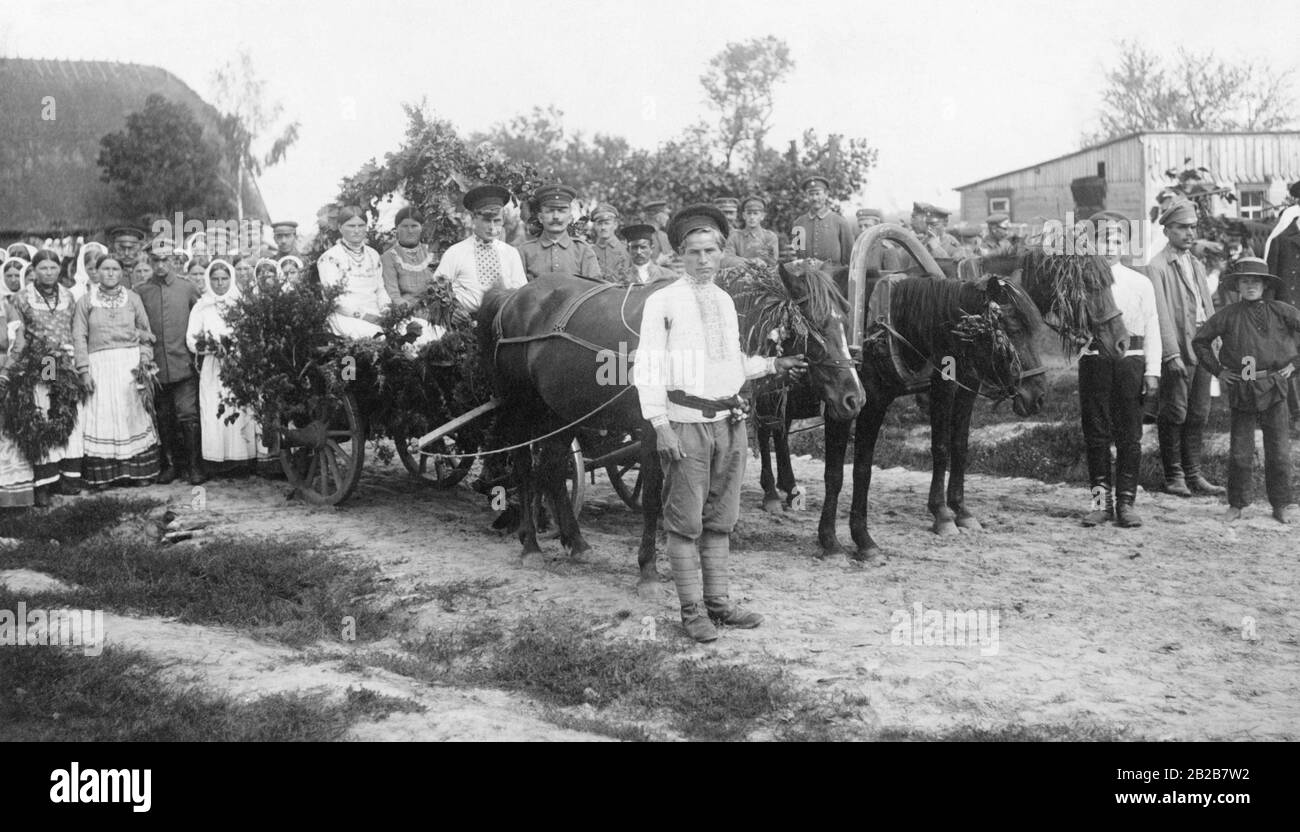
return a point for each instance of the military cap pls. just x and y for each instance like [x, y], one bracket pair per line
[655, 205]
[966, 230]
[998, 219]
[127, 230]
[604, 209]
[1100, 216]
[638, 231]
[556, 195]
[744, 203]
[813, 178]
[485, 197]
[1250, 267]
[290, 224]
[694, 217]
[724, 201]
[863, 213]
[1179, 211]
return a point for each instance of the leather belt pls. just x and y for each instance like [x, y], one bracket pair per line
[709, 407]
[1134, 343]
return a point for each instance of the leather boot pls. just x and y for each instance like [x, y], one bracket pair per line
[722, 611]
[1171, 443]
[194, 451]
[697, 623]
[1101, 516]
[1125, 515]
[166, 471]
[1191, 453]
[41, 497]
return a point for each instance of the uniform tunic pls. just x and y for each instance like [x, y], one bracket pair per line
[753, 242]
[566, 256]
[611, 255]
[825, 236]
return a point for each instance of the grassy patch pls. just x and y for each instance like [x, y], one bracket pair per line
[289, 590]
[1079, 731]
[448, 595]
[75, 522]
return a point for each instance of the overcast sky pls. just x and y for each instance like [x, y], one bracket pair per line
[949, 91]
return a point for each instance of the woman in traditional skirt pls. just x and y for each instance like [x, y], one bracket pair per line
[16, 476]
[357, 267]
[47, 310]
[112, 338]
[222, 442]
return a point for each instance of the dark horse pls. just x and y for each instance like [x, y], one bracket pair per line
[559, 348]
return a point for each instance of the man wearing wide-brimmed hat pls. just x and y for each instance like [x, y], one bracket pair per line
[1259, 354]
[555, 252]
[822, 233]
[1184, 302]
[688, 372]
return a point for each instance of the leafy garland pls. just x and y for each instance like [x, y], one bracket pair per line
[34, 431]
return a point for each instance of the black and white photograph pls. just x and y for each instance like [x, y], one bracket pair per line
[566, 371]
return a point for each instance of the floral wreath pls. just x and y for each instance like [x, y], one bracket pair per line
[34, 431]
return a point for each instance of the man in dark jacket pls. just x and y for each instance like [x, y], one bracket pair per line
[167, 301]
[1283, 256]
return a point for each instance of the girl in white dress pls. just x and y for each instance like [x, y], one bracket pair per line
[222, 441]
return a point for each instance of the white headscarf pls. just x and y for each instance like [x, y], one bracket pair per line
[81, 277]
[1289, 216]
[22, 276]
[210, 297]
[31, 251]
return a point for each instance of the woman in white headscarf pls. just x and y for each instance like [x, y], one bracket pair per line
[291, 269]
[111, 338]
[222, 441]
[86, 275]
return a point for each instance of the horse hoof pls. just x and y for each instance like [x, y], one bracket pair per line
[581, 551]
[945, 528]
[969, 524]
[831, 552]
[649, 590]
[872, 554]
[772, 505]
[532, 560]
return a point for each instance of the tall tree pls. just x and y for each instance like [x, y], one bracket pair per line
[740, 84]
[162, 163]
[247, 120]
[1193, 92]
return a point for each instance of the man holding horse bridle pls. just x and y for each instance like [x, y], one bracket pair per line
[688, 372]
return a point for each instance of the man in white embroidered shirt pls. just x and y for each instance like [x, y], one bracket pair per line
[688, 371]
[482, 261]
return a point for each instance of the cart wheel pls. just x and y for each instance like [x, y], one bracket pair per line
[618, 477]
[322, 448]
[440, 474]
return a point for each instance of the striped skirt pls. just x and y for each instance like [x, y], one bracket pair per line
[16, 476]
[222, 442]
[120, 440]
[64, 461]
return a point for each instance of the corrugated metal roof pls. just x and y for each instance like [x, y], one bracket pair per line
[1278, 163]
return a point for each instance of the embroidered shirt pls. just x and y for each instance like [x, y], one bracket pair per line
[460, 266]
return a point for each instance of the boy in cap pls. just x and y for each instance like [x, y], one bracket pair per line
[1184, 302]
[688, 373]
[483, 261]
[1259, 353]
[641, 267]
[753, 240]
[822, 233]
[1111, 390]
[555, 252]
[611, 253]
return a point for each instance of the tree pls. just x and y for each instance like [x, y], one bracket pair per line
[245, 118]
[739, 84]
[162, 163]
[1194, 92]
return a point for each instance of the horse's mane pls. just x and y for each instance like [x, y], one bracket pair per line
[925, 309]
[1062, 283]
[765, 303]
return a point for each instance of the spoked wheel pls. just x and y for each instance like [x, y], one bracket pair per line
[441, 473]
[626, 479]
[323, 445]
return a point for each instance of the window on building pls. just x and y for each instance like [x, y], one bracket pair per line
[1000, 205]
[1250, 203]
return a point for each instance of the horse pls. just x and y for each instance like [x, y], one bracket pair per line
[551, 344]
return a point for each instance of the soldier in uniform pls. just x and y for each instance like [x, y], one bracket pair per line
[286, 239]
[867, 217]
[555, 252]
[127, 241]
[969, 240]
[611, 253]
[753, 240]
[640, 266]
[822, 233]
[730, 208]
[998, 237]
[656, 213]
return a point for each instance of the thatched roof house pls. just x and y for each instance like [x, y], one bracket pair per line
[49, 177]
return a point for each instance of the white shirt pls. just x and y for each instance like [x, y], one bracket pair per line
[676, 352]
[365, 293]
[459, 265]
[1136, 299]
[643, 273]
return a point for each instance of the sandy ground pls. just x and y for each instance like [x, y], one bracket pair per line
[1185, 629]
